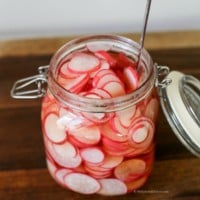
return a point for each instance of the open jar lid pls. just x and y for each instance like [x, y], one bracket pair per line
[180, 102]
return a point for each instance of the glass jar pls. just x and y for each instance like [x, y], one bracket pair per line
[98, 139]
[100, 145]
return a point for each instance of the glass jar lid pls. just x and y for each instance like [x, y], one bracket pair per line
[180, 102]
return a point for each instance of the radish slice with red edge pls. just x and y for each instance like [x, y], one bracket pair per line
[83, 63]
[115, 89]
[130, 169]
[151, 110]
[97, 46]
[82, 183]
[60, 174]
[112, 186]
[141, 133]
[131, 78]
[88, 135]
[105, 55]
[92, 155]
[76, 85]
[53, 132]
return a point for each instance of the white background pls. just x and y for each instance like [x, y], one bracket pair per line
[47, 18]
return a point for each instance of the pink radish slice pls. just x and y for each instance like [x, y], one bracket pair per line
[92, 155]
[82, 183]
[126, 115]
[75, 85]
[105, 55]
[117, 126]
[53, 132]
[115, 89]
[83, 63]
[102, 93]
[141, 132]
[104, 65]
[65, 155]
[65, 72]
[60, 174]
[111, 161]
[106, 79]
[112, 186]
[87, 135]
[130, 169]
[131, 78]
[51, 167]
[97, 46]
[108, 132]
[151, 110]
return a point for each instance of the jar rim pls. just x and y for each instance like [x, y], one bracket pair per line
[100, 105]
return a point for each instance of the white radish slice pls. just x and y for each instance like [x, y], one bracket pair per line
[97, 46]
[104, 65]
[88, 135]
[112, 186]
[76, 84]
[105, 55]
[92, 155]
[117, 126]
[53, 132]
[141, 132]
[51, 167]
[108, 132]
[126, 115]
[83, 63]
[61, 173]
[131, 78]
[102, 93]
[82, 183]
[66, 155]
[115, 89]
[65, 72]
[111, 161]
[106, 79]
[151, 110]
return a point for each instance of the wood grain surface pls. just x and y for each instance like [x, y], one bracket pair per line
[23, 173]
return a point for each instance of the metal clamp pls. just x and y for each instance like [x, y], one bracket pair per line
[161, 73]
[32, 87]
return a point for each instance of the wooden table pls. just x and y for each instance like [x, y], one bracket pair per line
[23, 173]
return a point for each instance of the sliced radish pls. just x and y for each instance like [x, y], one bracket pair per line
[117, 126]
[152, 109]
[97, 46]
[92, 155]
[105, 55]
[131, 78]
[112, 186]
[126, 115]
[65, 72]
[123, 61]
[77, 84]
[51, 167]
[136, 183]
[88, 135]
[102, 93]
[130, 169]
[115, 89]
[60, 174]
[111, 161]
[83, 63]
[141, 133]
[82, 183]
[53, 132]
[108, 132]
[65, 155]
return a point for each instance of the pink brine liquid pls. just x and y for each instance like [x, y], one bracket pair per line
[109, 153]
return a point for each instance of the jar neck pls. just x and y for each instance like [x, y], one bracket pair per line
[118, 44]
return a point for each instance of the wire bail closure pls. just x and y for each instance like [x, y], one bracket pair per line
[32, 87]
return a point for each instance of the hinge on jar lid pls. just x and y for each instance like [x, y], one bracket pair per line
[161, 81]
[31, 87]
